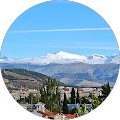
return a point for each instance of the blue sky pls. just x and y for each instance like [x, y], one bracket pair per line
[56, 26]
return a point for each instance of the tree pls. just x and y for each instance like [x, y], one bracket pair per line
[74, 110]
[84, 100]
[82, 110]
[50, 95]
[77, 99]
[105, 90]
[95, 102]
[31, 99]
[65, 107]
[73, 96]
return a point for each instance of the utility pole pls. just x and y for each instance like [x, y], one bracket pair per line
[60, 100]
[107, 84]
[107, 78]
[75, 100]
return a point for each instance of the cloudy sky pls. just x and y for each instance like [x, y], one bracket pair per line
[56, 26]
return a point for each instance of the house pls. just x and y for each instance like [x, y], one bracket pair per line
[40, 107]
[70, 116]
[43, 112]
[67, 92]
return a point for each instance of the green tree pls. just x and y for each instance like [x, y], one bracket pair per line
[32, 99]
[74, 110]
[69, 101]
[95, 102]
[82, 110]
[65, 107]
[73, 96]
[50, 95]
[105, 90]
[77, 99]
[84, 100]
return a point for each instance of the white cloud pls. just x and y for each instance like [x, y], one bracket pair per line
[60, 30]
[71, 47]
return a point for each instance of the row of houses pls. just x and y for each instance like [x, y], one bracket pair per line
[22, 93]
[82, 92]
[40, 110]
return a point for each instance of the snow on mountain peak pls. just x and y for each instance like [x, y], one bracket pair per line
[65, 58]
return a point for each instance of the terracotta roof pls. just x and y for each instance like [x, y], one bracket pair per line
[62, 100]
[80, 90]
[95, 90]
[70, 115]
[47, 113]
[50, 114]
[42, 113]
[66, 89]
[25, 90]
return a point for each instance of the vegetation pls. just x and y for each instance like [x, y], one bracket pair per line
[95, 102]
[65, 107]
[32, 99]
[105, 90]
[73, 96]
[77, 99]
[82, 110]
[25, 78]
[50, 95]
[49, 92]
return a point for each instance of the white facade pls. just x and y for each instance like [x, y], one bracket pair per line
[40, 107]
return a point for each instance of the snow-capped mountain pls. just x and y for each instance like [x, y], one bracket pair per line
[64, 58]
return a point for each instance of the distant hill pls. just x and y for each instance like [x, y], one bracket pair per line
[74, 73]
[15, 78]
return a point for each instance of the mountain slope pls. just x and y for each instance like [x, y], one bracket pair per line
[64, 58]
[76, 72]
[73, 73]
[24, 78]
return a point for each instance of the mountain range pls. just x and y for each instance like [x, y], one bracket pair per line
[64, 58]
[69, 68]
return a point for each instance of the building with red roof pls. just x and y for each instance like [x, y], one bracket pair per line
[70, 116]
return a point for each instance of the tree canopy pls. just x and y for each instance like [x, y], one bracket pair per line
[73, 96]
[106, 90]
[65, 107]
[50, 95]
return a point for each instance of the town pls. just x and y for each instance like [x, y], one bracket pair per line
[59, 102]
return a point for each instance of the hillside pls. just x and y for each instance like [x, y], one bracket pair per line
[72, 73]
[15, 78]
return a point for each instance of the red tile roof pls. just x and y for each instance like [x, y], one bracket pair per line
[66, 89]
[80, 90]
[47, 113]
[70, 115]
[41, 113]
[95, 90]
[25, 90]
[50, 114]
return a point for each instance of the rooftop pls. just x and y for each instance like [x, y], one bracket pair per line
[70, 115]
